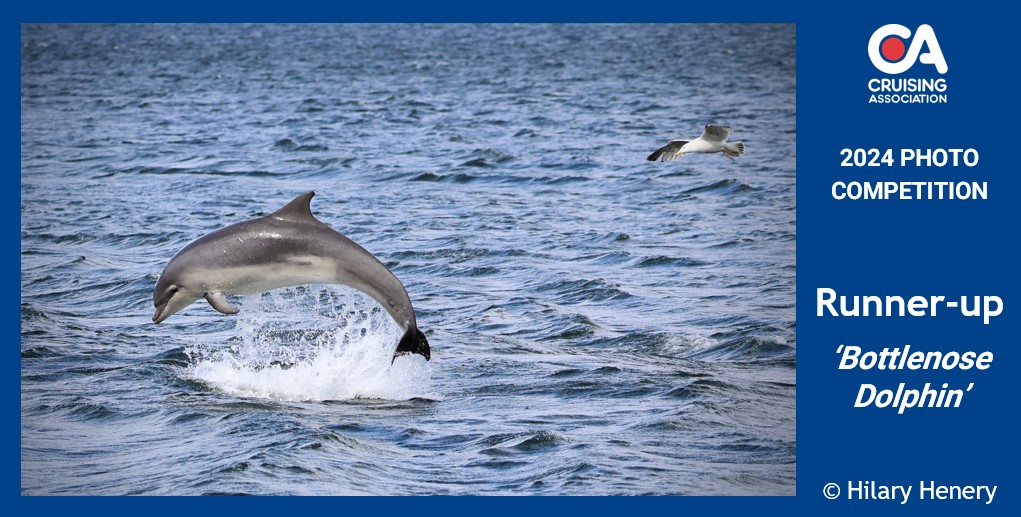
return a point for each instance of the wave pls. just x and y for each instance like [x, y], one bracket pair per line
[170, 171]
[584, 290]
[288, 145]
[726, 186]
[748, 346]
[527, 442]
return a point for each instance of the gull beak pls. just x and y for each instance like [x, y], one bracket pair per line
[678, 154]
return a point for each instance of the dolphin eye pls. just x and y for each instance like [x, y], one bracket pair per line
[174, 289]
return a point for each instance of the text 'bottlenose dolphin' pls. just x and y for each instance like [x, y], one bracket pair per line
[286, 248]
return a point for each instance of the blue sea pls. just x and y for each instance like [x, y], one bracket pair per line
[600, 324]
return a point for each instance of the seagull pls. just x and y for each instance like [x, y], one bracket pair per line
[713, 140]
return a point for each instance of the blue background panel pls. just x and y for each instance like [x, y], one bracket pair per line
[855, 247]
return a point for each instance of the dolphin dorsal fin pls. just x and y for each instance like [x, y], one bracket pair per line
[297, 210]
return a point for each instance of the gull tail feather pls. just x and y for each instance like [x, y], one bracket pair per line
[733, 150]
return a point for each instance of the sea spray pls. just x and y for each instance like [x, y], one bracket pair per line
[311, 343]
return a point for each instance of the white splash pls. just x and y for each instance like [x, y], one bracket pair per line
[312, 343]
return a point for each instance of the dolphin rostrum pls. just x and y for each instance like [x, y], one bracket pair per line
[286, 248]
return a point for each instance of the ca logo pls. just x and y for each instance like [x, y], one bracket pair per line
[887, 51]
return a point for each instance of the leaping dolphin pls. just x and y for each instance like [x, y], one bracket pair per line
[286, 248]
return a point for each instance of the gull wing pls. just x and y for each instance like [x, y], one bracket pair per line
[666, 153]
[716, 133]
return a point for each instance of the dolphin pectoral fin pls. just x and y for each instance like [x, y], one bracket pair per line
[219, 302]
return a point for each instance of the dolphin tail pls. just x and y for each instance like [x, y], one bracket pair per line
[412, 342]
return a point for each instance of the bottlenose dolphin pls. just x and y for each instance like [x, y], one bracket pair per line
[286, 248]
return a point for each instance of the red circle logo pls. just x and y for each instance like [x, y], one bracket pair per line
[892, 49]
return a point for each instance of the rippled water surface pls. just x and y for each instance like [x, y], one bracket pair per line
[600, 324]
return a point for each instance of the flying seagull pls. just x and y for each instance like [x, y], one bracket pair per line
[713, 140]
